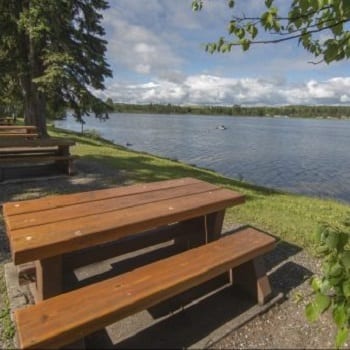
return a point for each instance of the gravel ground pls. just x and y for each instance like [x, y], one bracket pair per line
[282, 326]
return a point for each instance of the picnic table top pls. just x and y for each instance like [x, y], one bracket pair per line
[55, 225]
[6, 120]
[14, 127]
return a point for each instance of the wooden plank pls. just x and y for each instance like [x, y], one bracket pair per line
[40, 142]
[58, 201]
[38, 158]
[63, 319]
[49, 278]
[71, 261]
[52, 239]
[131, 244]
[18, 150]
[85, 209]
[6, 121]
[16, 127]
[18, 135]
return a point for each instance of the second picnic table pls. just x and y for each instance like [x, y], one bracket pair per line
[19, 131]
[19, 152]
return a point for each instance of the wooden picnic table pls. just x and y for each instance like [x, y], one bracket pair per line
[28, 128]
[44, 230]
[18, 131]
[59, 142]
[7, 120]
[19, 154]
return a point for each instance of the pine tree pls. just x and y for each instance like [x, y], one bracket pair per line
[52, 55]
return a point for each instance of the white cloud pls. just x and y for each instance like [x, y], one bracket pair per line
[137, 48]
[154, 50]
[208, 89]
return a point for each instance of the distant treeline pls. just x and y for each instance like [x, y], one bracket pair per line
[297, 111]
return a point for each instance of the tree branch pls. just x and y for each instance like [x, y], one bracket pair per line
[299, 35]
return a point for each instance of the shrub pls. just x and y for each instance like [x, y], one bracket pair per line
[332, 289]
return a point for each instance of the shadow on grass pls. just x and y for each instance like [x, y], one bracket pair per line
[138, 167]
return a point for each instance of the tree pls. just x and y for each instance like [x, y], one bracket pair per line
[320, 26]
[52, 56]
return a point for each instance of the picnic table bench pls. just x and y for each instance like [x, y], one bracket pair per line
[7, 120]
[49, 229]
[19, 155]
[19, 131]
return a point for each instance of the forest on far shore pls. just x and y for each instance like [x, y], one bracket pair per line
[292, 111]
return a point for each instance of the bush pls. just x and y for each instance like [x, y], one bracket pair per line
[332, 289]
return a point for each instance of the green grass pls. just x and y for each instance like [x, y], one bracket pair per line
[7, 329]
[293, 218]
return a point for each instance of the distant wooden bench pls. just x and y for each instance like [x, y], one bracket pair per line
[7, 120]
[68, 317]
[17, 155]
[18, 131]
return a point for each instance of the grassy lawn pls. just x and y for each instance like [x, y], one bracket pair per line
[6, 326]
[293, 218]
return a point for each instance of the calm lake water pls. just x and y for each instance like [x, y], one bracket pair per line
[298, 155]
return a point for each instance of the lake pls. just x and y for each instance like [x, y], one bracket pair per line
[306, 156]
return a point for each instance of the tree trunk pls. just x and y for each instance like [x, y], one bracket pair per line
[34, 100]
[34, 106]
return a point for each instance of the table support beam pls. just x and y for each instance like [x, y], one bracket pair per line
[48, 278]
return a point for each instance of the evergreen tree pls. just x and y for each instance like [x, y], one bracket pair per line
[52, 55]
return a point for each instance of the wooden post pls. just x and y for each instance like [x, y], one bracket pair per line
[49, 278]
[251, 277]
[214, 224]
[49, 283]
[64, 165]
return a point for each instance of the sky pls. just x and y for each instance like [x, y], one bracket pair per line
[156, 52]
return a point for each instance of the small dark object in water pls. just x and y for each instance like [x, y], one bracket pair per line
[221, 127]
[128, 144]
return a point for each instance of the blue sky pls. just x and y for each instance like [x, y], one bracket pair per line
[155, 49]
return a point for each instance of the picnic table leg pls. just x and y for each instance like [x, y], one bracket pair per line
[252, 277]
[214, 224]
[48, 278]
[49, 283]
[66, 166]
[208, 228]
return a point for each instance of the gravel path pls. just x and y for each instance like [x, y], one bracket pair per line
[283, 326]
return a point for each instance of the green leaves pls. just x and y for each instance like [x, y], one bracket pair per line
[54, 47]
[307, 21]
[332, 289]
[269, 19]
[345, 259]
[197, 5]
[231, 3]
[317, 307]
[346, 289]
[341, 337]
